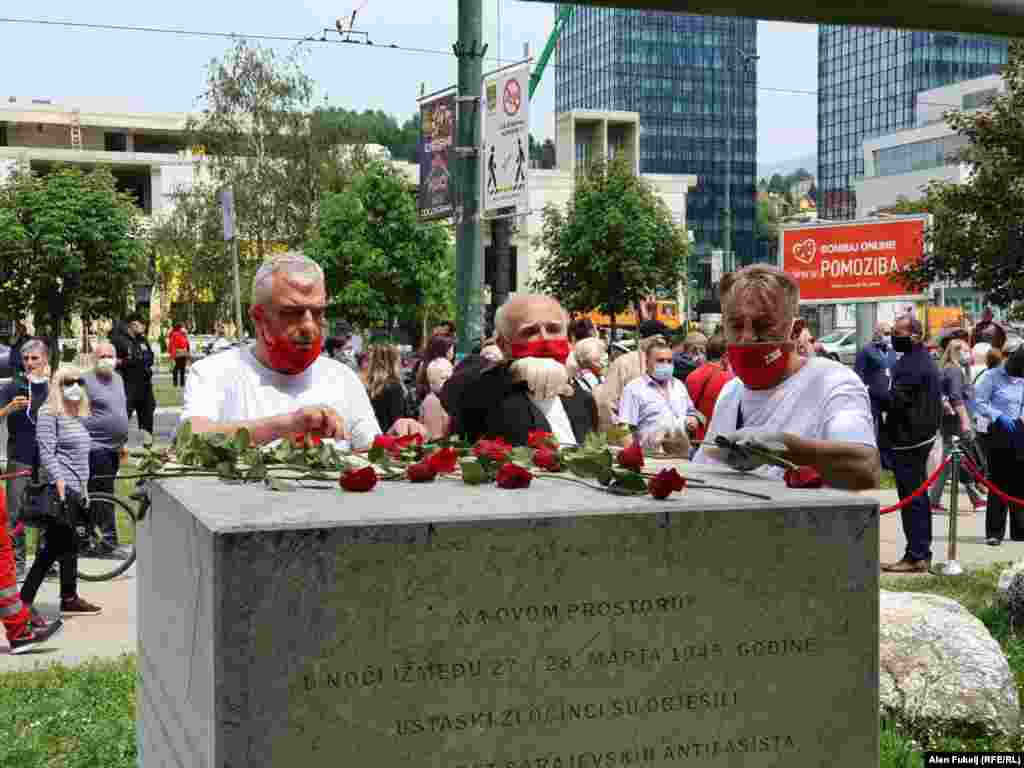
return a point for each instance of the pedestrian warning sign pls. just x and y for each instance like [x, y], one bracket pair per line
[506, 133]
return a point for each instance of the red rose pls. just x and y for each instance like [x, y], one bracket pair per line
[538, 438]
[444, 460]
[547, 459]
[496, 450]
[387, 442]
[632, 457]
[359, 479]
[304, 440]
[663, 483]
[408, 441]
[803, 477]
[513, 476]
[420, 473]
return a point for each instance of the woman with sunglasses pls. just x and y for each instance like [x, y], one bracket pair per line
[63, 443]
[20, 400]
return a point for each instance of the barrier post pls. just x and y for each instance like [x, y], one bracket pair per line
[951, 567]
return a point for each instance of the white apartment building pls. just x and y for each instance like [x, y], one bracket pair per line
[900, 165]
[582, 136]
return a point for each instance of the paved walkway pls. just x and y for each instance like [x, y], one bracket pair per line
[113, 632]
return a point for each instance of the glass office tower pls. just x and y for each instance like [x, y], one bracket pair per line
[674, 70]
[867, 83]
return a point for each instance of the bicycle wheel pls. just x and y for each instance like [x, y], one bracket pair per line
[93, 566]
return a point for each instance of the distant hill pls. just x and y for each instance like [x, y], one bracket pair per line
[810, 162]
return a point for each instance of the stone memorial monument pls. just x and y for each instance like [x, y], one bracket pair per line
[452, 626]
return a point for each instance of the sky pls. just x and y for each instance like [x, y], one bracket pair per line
[163, 72]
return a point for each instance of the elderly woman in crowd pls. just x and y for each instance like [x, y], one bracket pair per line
[63, 443]
[1000, 402]
[591, 363]
[955, 420]
[21, 399]
[433, 416]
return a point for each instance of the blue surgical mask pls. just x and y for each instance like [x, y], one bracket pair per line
[887, 340]
[662, 371]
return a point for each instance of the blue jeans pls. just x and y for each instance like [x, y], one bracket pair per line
[910, 470]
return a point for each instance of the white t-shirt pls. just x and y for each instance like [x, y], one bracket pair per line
[554, 412]
[235, 386]
[824, 400]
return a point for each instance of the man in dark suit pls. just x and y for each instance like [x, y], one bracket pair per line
[874, 365]
[530, 390]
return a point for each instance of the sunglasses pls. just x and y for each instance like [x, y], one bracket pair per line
[70, 382]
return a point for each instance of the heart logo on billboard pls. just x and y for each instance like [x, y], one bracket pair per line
[512, 97]
[805, 251]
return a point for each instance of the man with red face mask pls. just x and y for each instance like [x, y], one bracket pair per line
[812, 412]
[530, 389]
[281, 385]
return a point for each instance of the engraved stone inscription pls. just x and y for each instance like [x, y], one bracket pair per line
[608, 642]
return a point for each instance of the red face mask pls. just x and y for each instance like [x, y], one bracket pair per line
[761, 365]
[556, 349]
[285, 356]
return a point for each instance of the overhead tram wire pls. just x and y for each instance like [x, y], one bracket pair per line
[367, 43]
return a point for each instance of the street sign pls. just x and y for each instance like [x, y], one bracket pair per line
[717, 259]
[227, 204]
[857, 261]
[506, 132]
[437, 139]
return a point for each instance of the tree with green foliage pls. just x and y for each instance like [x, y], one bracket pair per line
[69, 244]
[373, 127]
[615, 244]
[380, 262]
[976, 235]
[262, 139]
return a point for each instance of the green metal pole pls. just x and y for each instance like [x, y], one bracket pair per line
[468, 243]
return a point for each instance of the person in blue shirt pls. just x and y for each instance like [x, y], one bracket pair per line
[874, 365]
[999, 398]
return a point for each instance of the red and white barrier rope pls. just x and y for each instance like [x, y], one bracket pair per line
[923, 489]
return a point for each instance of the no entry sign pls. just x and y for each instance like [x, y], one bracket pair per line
[853, 262]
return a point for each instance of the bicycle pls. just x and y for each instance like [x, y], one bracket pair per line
[91, 539]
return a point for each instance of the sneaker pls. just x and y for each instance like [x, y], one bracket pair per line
[76, 606]
[35, 636]
[993, 542]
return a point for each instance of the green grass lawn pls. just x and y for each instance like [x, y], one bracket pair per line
[72, 717]
[888, 480]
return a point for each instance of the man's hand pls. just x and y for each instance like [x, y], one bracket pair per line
[545, 378]
[20, 403]
[403, 427]
[319, 420]
[61, 489]
[747, 461]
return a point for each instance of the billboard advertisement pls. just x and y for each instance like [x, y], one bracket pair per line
[437, 140]
[506, 133]
[856, 261]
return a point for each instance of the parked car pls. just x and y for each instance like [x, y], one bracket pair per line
[841, 345]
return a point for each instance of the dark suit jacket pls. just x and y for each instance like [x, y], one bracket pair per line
[487, 403]
[871, 365]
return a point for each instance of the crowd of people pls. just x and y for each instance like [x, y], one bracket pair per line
[758, 382]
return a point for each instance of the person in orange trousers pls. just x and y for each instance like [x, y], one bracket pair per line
[23, 632]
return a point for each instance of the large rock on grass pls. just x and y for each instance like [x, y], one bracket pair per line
[941, 669]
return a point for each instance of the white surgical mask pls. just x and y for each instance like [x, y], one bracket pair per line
[662, 371]
[36, 379]
[106, 364]
[73, 393]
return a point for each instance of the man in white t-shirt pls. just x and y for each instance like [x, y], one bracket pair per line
[281, 385]
[815, 412]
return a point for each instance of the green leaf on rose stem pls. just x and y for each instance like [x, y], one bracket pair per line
[376, 454]
[184, 436]
[147, 439]
[226, 469]
[604, 476]
[473, 472]
[630, 481]
[616, 434]
[257, 471]
[241, 441]
[521, 455]
[216, 439]
[277, 484]
[595, 442]
[585, 466]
